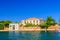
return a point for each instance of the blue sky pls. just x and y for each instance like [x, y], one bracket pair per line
[17, 10]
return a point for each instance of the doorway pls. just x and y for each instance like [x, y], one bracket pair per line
[13, 27]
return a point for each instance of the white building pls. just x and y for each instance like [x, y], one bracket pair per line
[13, 26]
[35, 21]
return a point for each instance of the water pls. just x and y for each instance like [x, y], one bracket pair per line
[49, 35]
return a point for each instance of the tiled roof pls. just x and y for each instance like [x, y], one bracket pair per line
[32, 19]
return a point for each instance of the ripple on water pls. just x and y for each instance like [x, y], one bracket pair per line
[49, 35]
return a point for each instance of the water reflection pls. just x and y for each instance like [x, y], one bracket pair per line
[30, 35]
[57, 35]
[13, 35]
[24, 35]
[34, 35]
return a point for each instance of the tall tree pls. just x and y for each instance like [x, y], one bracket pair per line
[50, 21]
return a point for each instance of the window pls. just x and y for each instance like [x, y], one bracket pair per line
[33, 21]
[37, 21]
[30, 21]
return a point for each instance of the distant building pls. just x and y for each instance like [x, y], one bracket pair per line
[13, 26]
[35, 21]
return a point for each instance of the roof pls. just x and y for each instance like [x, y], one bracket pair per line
[32, 19]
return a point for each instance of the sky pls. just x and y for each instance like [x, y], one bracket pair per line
[17, 10]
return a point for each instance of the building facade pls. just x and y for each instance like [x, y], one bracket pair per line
[35, 21]
[13, 26]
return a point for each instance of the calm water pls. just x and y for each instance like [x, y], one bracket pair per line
[49, 35]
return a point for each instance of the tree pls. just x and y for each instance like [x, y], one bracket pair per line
[1, 26]
[5, 23]
[50, 21]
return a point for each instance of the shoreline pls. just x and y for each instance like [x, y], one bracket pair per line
[31, 30]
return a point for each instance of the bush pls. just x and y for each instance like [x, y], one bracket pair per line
[1, 26]
[44, 25]
[29, 25]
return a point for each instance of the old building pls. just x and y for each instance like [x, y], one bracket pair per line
[35, 21]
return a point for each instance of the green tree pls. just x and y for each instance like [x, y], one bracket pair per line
[5, 23]
[50, 21]
[1, 26]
